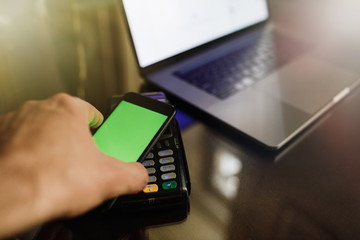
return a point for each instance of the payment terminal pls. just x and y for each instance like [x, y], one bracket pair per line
[165, 199]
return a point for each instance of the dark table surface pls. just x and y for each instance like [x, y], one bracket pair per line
[308, 190]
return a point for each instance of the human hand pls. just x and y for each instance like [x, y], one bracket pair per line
[50, 166]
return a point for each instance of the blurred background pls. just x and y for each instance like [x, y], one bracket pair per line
[73, 46]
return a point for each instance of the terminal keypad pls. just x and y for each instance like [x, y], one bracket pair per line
[161, 166]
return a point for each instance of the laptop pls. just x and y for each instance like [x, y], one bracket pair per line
[228, 60]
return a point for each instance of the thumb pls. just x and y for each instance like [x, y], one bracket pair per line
[125, 178]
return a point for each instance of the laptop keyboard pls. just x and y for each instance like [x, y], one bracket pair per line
[240, 69]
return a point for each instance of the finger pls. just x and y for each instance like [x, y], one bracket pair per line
[95, 118]
[74, 104]
[126, 178]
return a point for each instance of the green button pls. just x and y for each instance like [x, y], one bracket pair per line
[169, 185]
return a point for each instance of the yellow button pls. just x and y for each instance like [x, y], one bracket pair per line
[151, 188]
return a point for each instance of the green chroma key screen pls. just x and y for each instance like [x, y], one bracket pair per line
[128, 131]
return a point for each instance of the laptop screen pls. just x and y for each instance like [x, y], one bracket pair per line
[163, 28]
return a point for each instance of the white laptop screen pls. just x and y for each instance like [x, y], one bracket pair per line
[163, 28]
